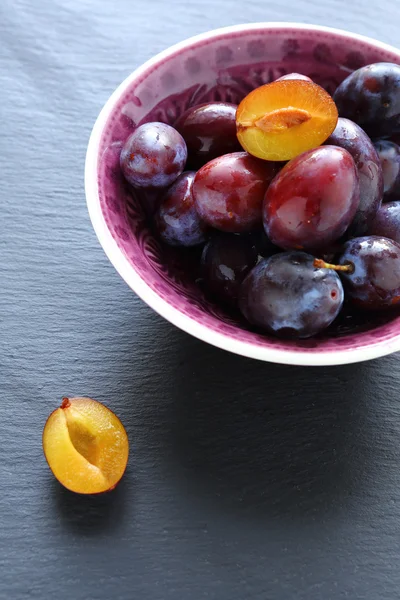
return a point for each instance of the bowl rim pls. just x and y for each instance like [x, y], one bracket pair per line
[128, 272]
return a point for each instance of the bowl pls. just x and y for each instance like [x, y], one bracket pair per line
[224, 65]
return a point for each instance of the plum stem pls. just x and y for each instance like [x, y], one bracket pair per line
[65, 403]
[321, 264]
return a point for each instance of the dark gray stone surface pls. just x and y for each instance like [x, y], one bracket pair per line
[246, 481]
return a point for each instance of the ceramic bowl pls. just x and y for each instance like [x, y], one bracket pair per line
[224, 64]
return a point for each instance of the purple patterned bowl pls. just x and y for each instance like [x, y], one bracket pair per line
[225, 65]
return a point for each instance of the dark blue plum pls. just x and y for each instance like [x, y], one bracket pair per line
[225, 262]
[286, 295]
[351, 137]
[177, 219]
[370, 97]
[373, 279]
[153, 156]
[387, 222]
[263, 244]
[209, 130]
[389, 154]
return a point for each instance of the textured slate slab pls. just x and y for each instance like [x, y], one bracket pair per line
[247, 481]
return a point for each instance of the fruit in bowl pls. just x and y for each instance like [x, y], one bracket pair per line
[244, 239]
[309, 204]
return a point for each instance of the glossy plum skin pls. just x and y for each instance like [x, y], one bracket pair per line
[286, 295]
[387, 222]
[177, 220]
[371, 98]
[389, 155]
[313, 199]
[229, 191]
[153, 156]
[351, 137]
[374, 283]
[225, 262]
[209, 131]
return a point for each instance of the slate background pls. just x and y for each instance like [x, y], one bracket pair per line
[247, 481]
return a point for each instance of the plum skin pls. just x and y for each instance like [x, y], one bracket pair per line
[225, 261]
[370, 97]
[209, 131]
[351, 137]
[177, 220]
[387, 222]
[286, 295]
[229, 191]
[313, 199]
[153, 156]
[373, 282]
